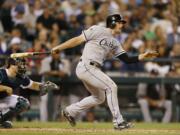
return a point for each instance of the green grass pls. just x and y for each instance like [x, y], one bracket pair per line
[63, 128]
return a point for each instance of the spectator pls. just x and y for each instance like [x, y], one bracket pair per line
[5, 16]
[16, 32]
[43, 38]
[35, 63]
[61, 21]
[23, 3]
[70, 8]
[55, 68]
[46, 19]
[173, 36]
[154, 96]
[54, 39]
[160, 36]
[30, 24]
[15, 46]
[3, 50]
[38, 10]
[88, 21]
[18, 17]
[149, 97]
[175, 53]
[3, 46]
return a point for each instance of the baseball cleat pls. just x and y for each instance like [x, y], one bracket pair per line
[6, 124]
[69, 118]
[123, 125]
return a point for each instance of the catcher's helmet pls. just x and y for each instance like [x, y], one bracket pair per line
[20, 62]
[112, 19]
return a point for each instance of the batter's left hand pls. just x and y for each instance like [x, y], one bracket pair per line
[55, 50]
[148, 55]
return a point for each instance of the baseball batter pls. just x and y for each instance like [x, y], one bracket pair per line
[100, 44]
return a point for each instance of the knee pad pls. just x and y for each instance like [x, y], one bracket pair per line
[22, 105]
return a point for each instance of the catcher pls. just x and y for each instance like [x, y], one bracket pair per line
[11, 78]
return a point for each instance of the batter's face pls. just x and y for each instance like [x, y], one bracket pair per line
[118, 27]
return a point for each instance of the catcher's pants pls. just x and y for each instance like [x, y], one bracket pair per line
[97, 83]
[8, 102]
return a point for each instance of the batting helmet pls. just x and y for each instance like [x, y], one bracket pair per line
[19, 62]
[112, 19]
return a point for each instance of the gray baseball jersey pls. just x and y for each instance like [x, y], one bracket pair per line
[100, 44]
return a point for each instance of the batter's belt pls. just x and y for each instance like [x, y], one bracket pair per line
[93, 63]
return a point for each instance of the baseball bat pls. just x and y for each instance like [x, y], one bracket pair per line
[27, 54]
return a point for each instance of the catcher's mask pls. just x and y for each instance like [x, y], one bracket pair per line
[111, 20]
[20, 63]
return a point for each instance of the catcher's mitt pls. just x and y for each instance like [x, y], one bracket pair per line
[46, 86]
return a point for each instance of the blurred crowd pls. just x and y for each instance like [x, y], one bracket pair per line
[39, 25]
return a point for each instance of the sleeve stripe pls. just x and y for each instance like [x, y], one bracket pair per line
[120, 53]
[84, 35]
[28, 86]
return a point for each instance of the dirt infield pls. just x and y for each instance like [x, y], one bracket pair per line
[80, 130]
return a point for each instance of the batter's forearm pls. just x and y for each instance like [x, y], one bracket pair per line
[128, 59]
[69, 44]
